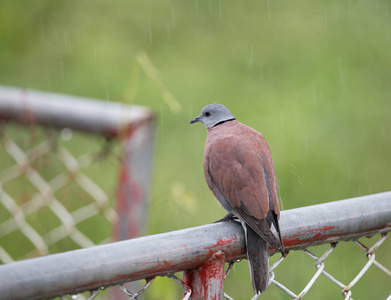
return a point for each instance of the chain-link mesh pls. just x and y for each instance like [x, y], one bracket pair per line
[38, 178]
[346, 290]
[70, 180]
[320, 266]
[61, 175]
[50, 173]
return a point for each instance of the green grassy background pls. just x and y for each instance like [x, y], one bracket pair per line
[314, 78]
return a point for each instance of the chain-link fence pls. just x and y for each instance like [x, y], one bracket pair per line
[201, 253]
[74, 163]
[43, 196]
[68, 161]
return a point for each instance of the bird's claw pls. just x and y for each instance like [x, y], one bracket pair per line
[228, 217]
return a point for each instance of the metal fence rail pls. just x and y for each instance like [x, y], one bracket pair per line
[82, 165]
[62, 111]
[30, 151]
[188, 249]
[127, 127]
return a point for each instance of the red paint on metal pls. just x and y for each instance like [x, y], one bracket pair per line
[125, 132]
[307, 236]
[207, 281]
[129, 194]
[225, 242]
[220, 243]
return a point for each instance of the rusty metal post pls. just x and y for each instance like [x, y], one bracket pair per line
[132, 125]
[167, 253]
[134, 185]
[134, 178]
[207, 281]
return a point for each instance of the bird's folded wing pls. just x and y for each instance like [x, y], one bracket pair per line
[261, 228]
[235, 167]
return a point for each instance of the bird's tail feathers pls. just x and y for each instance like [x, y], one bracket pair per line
[258, 259]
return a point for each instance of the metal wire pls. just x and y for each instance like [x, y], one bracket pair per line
[44, 195]
[134, 296]
[320, 265]
[186, 288]
[26, 166]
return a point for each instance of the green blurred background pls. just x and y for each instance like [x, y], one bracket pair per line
[314, 78]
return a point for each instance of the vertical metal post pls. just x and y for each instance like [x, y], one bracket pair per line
[207, 281]
[134, 178]
[137, 142]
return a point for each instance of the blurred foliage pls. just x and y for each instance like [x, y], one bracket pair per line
[313, 77]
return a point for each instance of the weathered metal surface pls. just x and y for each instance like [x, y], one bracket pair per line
[134, 180]
[134, 186]
[133, 126]
[207, 281]
[91, 115]
[187, 249]
[335, 221]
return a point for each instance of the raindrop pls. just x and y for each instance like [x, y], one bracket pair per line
[55, 32]
[66, 134]
[73, 296]
[349, 172]
[325, 20]
[268, 8]
[161, 115]
[168, 31]
[281, 203]
[149, 31]
[340, 70]
[65, 39]
[306, 143]
[251, 59]
[336, 12]
[173, 17]
[299, 179]
[383, 131]
[62, 71]
[102, 288]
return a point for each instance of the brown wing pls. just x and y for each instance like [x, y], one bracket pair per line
[235, 165]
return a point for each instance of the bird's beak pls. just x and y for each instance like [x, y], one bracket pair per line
[197, 119]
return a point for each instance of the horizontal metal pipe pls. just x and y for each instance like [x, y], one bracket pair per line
[165, 253]
[62, 111]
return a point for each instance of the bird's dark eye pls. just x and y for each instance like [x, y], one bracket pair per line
[207, 114]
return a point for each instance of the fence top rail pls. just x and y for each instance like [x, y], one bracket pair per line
[108, 118]
[166, 253]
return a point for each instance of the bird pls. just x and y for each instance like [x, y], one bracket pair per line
[239, 170]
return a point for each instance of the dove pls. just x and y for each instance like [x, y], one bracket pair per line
[239, 170]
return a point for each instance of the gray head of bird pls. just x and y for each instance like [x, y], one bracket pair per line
[213, 114]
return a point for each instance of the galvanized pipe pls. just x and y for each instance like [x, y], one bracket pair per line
[133, 126]
[83, 114]
[187, 249]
